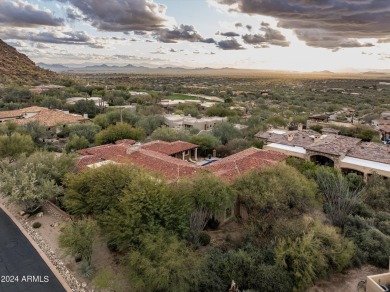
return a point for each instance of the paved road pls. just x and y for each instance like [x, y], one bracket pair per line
[18, 258]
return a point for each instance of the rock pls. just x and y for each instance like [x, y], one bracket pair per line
[40, 214]
[83, 284]
[21, 213]
[26, 215]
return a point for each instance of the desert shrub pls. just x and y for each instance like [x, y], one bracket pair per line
[118, 132]
[204, 238]
[373, 246]
[36, 225]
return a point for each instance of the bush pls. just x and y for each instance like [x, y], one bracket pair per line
[204, 238]
[118, 132]
[36, 225]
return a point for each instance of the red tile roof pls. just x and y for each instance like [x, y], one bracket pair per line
[51, 117]
[173, 168]
[169, 148]
[232, 166]
[21, 112]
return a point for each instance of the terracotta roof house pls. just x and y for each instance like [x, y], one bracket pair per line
[345, 153]
[147, 156]
[20, 113]
[54, 119]
[160, 157]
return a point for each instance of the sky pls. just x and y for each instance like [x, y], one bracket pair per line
[294, 35]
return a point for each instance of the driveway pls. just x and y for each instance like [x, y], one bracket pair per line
[21, 267]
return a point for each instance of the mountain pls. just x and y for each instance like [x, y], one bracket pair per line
[54, 67]
[15, 66]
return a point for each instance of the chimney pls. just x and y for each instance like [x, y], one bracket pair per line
[300, 127]
[85, 116]
[290, 137]
[317, 138]
[214, 153]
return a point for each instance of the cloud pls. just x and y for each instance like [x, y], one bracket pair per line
[341, 21]
[230, 45]
[229, 34]
[270, 37]
[20, 14]
[324, 39]
[52, 37]
[73, 14]
[181, 33]
[248, 27]
[238, 24]
[121, 15]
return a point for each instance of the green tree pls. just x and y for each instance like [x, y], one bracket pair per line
[118, 132]
[207, 142]
[76, 143]
[24, 186]
[150, 123]
[169, 135]
[146, 206]
[86, 107]
[225, 132]
[238, 144]
[94, 190]
[15, 144]
[367, 134]
[303, 257]
[163, 263]
[78, 238]
[87, 131]
[52, 102]
[37, 131]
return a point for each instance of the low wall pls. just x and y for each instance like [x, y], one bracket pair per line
[55, 211]
[373, 281]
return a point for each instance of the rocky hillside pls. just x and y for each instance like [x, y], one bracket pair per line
[17, 67]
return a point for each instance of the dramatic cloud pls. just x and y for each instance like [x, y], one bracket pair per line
[320, 38]
[270, 37]
[20, 14]
[341, 21]
[121, 15]
[181, 33]
[53, 37]
[230, 45]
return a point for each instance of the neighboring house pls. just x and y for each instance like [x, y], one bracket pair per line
[20, 113]
[376, 124]
[168, 160]
[344, 153]
[188, 122]
[53, 119]
[97, 100]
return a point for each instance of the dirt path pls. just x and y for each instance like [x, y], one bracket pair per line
[346, 282]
